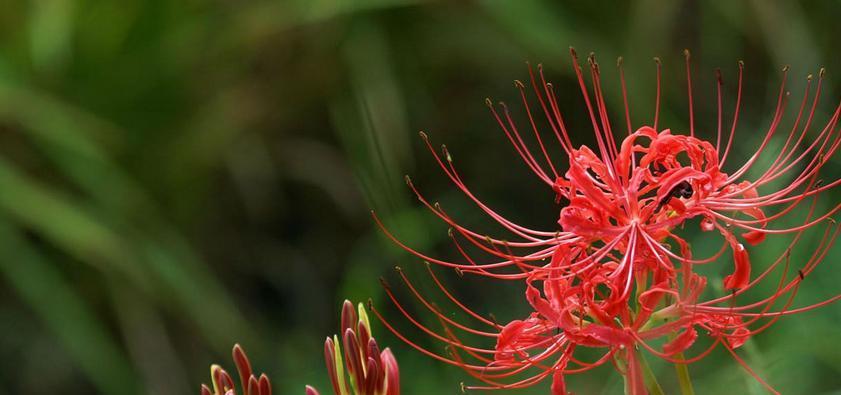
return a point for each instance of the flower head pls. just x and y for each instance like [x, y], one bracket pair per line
[618, 272]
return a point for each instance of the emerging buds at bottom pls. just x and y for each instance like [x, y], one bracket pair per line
[223, 384]
[370, 371]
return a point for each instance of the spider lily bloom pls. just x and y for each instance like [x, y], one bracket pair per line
[223, 384]
[370, 371]
[618, 273]
[644, 188]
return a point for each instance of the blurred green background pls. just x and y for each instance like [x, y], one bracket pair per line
[177, 176]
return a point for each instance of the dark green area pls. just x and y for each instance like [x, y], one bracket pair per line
[177, 176]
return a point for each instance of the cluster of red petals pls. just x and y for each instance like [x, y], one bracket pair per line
[617, 275]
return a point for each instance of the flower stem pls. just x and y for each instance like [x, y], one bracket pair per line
[683, 377]
[650, 379]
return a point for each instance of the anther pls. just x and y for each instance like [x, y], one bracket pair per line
[619, 61]
[408, 180]
[459, 271]
[657, 60]
[822, 72]
[398, 269]
[384, 283]
[463, 388]
[450, 232]
[686, 54]
[519, 84]
[741, 64]
[573, 53]
[488, 102]
[423, 135]
[809, 77]
[786, 68]
[370, 304]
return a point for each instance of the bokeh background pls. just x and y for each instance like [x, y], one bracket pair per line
[177, 176]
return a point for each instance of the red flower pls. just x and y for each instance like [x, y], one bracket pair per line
[617, 273]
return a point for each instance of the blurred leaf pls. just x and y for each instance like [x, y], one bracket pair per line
[43, 287]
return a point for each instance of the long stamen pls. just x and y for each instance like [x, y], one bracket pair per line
[624, 93]
[689, 94]
[657, 96]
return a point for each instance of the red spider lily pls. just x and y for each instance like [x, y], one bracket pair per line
[616, 275]
[223, 384]
[370, 371]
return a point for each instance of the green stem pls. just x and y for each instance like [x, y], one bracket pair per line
[650, 380]
[683, 377]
